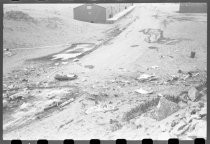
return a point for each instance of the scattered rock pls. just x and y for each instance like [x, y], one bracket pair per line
[203, 112]
[101, 108]
[193, 94]
[65, 77]
[115, 126]
[175, 122]
[182, 104]
[163, 136]
[155, 67]
[166, 108]
[179, 127]
[199, 131]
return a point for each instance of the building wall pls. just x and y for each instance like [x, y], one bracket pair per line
[116, 8]
[98, 13]
[193, 8]
[90, 13]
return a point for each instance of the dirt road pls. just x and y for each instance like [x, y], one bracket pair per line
[106, 91]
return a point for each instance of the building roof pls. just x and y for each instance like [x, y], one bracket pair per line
[105, 5]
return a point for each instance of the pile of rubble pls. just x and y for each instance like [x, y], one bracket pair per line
[182, 117]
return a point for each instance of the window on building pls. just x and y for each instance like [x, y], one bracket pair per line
[89, 7]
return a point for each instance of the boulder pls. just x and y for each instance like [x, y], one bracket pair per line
[193, 94]
[165, 108]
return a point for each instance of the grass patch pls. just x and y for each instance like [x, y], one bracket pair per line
[140, 109]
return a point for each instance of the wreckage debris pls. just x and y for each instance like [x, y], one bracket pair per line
[67, 102]
[65, 77]
[165, 108]
[64, 63]
[153, 35]
[142, 91]
[56, 64]
[153, 67]
[75, 60]
[101, 108]
[146, 77]
[134, 45]
[193, 94]
[89, 66]
[192, 55]
[153, 47]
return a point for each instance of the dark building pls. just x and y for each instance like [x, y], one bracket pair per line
[193, 8]
[98, 13]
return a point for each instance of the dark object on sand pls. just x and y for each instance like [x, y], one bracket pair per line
[65, 77]
[192, 54]
[153, 47]
[89, 66]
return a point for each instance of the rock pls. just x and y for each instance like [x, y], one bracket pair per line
[193, 94]
[179, 127]
[174, 122]
[165, 108]
[65, 77]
